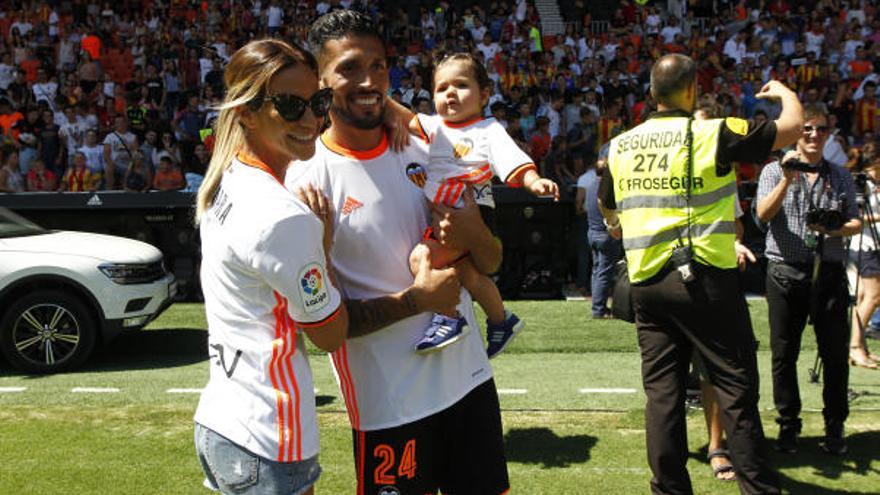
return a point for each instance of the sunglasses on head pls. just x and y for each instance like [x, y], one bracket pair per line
[821, 129]
[292, 107]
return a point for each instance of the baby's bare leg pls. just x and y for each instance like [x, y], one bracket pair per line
[482, 289]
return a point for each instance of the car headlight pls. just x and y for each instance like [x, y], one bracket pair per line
[133, 273]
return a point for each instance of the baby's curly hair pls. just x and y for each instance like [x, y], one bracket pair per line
[478, 72]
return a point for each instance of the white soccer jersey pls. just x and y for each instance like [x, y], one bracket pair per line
[380, 216]
[470, 152]
[264, 279]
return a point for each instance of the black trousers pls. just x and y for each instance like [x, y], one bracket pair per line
[789, 301]
[710, 316]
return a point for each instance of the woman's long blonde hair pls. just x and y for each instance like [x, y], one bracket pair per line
[247, 77]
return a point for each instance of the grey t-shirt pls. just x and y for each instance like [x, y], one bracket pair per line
[589, 182]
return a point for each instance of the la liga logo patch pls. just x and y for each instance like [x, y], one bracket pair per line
[311, 282]
[313, 290]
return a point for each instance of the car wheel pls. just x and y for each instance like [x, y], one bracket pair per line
[47, 331]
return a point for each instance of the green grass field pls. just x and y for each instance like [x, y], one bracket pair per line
[138, 440]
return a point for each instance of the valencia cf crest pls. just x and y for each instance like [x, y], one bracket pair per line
[462, 147]
[416, 173]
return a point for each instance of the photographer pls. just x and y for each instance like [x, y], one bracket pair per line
[810, 206]
[863, 253]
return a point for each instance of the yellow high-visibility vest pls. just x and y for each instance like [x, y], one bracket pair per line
[649, 167]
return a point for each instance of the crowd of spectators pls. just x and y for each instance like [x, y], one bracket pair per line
[119, 95]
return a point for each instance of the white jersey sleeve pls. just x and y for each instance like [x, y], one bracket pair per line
[507, 159]
[295, 243]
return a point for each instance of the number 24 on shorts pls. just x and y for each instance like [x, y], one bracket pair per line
[645, 162]
[407, 467]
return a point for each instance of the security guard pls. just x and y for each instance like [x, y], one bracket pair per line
[671, 181]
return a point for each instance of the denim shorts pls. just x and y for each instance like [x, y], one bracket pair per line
[868, 263]
[230, 468]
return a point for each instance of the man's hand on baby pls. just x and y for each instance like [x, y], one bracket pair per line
[435, 290]
[456, 228]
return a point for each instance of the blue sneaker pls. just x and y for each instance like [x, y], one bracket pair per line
[501, 335]
[442, 332]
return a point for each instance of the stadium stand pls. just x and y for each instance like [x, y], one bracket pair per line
[110, 80]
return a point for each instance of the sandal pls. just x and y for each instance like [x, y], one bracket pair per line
[721, 469]
[863, 360]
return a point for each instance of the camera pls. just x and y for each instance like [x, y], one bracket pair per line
[827, 219]
[795, 164]
[861, 181]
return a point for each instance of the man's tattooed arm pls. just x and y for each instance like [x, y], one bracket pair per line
[432, 290]
[369, 315]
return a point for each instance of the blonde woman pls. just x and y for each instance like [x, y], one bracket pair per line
[863, 251]
[266, 279]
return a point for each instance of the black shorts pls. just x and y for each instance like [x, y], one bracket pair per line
[458, 451]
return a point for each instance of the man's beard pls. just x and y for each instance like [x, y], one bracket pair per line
[364, 123]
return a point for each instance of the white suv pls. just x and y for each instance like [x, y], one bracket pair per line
[62, 293]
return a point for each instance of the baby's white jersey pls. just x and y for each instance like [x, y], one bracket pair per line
[469, 153]
[264, 280]
[380, 215]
